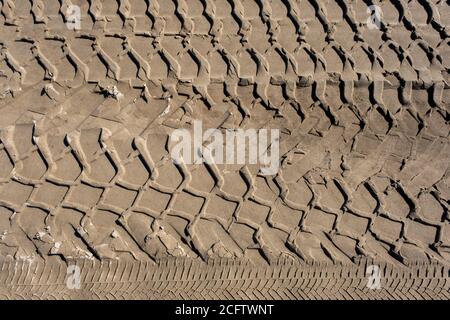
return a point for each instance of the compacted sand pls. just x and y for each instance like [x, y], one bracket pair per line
[358, 209]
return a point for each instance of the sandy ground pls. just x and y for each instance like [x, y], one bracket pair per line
[86, 115]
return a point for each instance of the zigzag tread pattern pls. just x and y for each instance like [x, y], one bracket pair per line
[86, 116]
[221, 280]
[92, 195]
